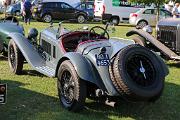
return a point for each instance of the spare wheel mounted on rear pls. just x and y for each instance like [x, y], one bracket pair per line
[136, 74]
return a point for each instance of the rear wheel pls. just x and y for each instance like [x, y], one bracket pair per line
[71, 89]
[47, 18]
[115, 20]
[81, 19]
[142, 24]
[137, 74]
[15, 58]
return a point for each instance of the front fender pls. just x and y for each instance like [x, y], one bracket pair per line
[154, 41]
[27, 49]
[84, 68]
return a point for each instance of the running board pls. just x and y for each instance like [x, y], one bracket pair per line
[46, 70]
[31, 54]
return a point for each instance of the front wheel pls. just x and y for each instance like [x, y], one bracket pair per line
[47, 18]
[15, 58]
[71, 89]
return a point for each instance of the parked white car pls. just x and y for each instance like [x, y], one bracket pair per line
[114, 11]
[147, 16]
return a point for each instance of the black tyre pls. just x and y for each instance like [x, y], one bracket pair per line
[139, 40]
[71, 89]
[142, 24]
[1, 46]
[137, 74]
[104, 22]
[15, 58]
[47, 18]
[81, 19]
[115, 20]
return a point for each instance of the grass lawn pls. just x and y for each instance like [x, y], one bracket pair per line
[32, 96]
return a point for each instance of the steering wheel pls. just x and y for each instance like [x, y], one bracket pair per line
[104, 34]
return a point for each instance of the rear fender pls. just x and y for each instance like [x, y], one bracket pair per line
[154, 41]
[27, 49]
[84, 68]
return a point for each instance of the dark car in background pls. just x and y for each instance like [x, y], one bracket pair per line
[48, 11]
[14, 9]
[88, 7]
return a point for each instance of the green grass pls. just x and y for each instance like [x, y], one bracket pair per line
[33, 96]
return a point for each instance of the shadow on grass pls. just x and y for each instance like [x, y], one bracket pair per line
[174, 64]
[26, 104]
[32, 73]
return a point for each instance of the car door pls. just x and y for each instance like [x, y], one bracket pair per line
[150, 16]
[164, 14]
[68, 11]
[90, 9]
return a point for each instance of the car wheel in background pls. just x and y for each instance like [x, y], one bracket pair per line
[71, 89]
[137, 74]
[81, 19]
[17, 13]
[47, 18]
[142, 24]
[15, 58]
[115, 20]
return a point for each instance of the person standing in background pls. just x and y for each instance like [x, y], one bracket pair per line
[27, 11]
[22, 5]
[175, 11]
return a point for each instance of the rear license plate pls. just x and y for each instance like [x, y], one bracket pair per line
[3, 93]
[102, 60]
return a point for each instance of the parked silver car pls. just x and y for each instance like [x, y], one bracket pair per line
[147, 16]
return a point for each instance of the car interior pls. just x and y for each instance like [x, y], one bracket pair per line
[70, 42]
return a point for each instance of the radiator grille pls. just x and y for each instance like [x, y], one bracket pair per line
[46, 47]
[169, 36]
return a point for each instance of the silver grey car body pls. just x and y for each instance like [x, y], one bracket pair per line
[84, 53]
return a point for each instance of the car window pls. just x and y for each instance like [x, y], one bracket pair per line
[90, 6]
[165, 13]
[65, 6]
[83, 6]
[149, 11]
[51, 5]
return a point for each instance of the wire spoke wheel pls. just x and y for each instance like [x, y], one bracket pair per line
[67, 85]
[12, 57]
[140, 70]
[15, 58]
[71, 89]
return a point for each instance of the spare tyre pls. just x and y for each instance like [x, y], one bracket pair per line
[137, 74]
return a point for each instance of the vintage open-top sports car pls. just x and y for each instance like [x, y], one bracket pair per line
[8, 25]
[88, 63]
